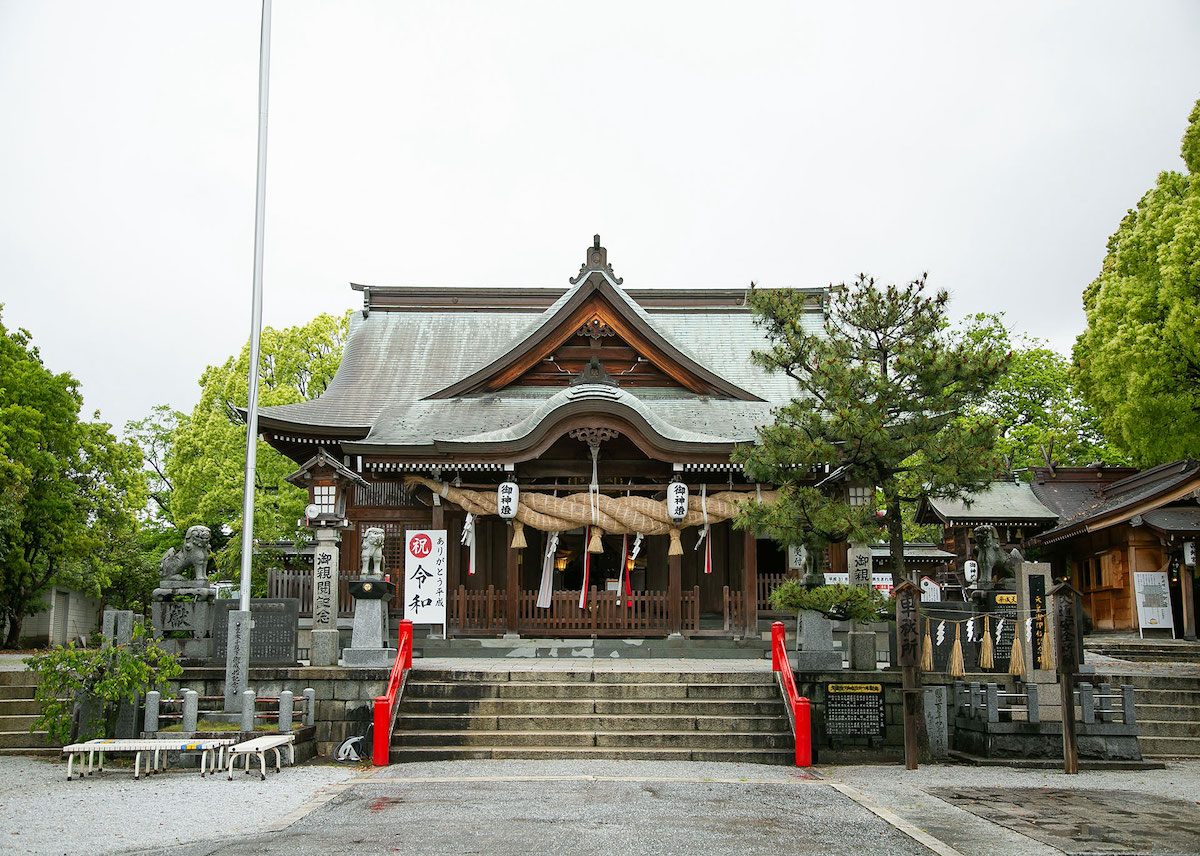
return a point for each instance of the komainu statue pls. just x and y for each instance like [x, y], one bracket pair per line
[194, 555]
[372, 552]
[993, 561]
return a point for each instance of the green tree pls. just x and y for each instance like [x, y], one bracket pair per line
[882, 390]
[1138, 361]
[70, 491]
[1038, 410]
[204, 466]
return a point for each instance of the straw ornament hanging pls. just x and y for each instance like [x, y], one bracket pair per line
[927, 650]
[518, 541]
[1016, 663]
[1046, 655]
[957, 668]
[676, 548]
[987, 659]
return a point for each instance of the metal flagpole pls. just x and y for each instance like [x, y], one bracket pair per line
[237, 663]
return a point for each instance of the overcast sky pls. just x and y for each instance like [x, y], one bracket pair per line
[995, 146]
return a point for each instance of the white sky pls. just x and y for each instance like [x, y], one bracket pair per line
[452, 143]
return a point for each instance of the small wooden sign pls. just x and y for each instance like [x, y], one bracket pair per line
[908, 624]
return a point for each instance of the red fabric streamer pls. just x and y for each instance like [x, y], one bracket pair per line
[587, 567]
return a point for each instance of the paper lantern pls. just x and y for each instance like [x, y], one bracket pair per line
[677, 501]
[507, 497]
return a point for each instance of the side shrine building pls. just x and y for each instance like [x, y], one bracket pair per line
[593, 400]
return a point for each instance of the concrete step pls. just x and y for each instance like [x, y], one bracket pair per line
[18, 678]
[572, 690]
[562, 676]
[1184, 698]
[22, 740]
[556, 707]
[607, 739]
[591, 722]
[20, 722]
[1154, 682]
[1168, 728]
[1170, 747]
[18, 706]
[18, 691]
[400, 755]
[1166, 712]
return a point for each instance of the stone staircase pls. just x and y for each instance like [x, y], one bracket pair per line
[1168, 714]
[18, 710]
[1132, 649]
[629, 715]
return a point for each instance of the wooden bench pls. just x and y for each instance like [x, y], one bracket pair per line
[260, 746]
[156, 748]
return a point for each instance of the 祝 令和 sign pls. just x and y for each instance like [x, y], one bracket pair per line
[425, 576]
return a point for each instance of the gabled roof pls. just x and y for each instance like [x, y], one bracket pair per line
[427, 368]
[301, 477]
[1003, 502]
[1119, 501]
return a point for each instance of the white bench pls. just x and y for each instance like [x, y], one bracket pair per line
[260, 746]
[156, 748]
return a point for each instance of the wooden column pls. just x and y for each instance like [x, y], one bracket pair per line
[674, 594]
[749, 583]
[1187, 602]
[512, 585]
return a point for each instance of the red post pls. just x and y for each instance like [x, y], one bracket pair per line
[405, 642]
[777, 645]
[803, 733]
[381, 732]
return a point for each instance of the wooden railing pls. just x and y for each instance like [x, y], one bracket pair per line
[766, 582]
[387, 705]
[477, 612]
[299, 584]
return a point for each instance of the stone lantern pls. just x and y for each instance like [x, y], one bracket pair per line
[327, 481]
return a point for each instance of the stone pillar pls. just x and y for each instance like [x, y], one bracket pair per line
[285, 711]
[237, 658]
[248, 710]
[749, 583]
[936, 725]
[191, 710]
[150, 724]
[859, 565]
[324, 649]
[512, 585]
[310, 706]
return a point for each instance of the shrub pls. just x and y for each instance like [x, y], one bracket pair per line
[843, 602]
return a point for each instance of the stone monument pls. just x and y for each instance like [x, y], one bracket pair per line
[372, 593]
[814, 644]
[181, 609]
[860, 640]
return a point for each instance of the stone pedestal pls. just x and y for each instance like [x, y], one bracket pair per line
[814, 640]
[368, 642]
[181, 613]
[861, 645]
[323, 650]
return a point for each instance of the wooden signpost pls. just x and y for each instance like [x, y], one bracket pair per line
[1065, 599]
[908, 644]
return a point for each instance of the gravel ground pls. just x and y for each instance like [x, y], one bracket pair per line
[42, 813]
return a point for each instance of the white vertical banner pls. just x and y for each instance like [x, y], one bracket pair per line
[1153, 595]
[425, 576]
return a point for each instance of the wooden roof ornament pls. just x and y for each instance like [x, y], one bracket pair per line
[597, 260]
[312, 468]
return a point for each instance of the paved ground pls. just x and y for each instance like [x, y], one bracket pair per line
[531, 807]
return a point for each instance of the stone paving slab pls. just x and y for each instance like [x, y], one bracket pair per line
[1086, 821]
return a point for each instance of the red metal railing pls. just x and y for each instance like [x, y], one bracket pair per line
[798, 711]
[387, 705]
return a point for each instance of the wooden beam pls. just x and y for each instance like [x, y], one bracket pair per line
[674, 594]
[512, 584]
[749, 583]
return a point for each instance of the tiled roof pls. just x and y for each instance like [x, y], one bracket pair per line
[1000, 502]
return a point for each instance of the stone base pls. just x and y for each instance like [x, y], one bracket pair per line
[818, 661]
[197, 650]
[369, 657]
[323, 650]
[861, 645]
[370, 624]
[171, 589]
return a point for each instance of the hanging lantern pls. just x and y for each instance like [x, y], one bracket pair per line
[507, 497]
[677, 501]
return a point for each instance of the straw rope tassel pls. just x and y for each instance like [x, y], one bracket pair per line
[927, 650]
[1046, 656]
[987, 658]
[1016, 663]
[957, 668]
[518, 541]
[676, 548]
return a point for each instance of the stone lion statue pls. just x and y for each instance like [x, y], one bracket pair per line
[993, 561]
[372, 551]
[194, 555]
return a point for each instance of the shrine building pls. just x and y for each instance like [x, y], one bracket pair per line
[592, 400]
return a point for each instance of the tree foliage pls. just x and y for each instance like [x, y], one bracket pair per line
[839, 601]
[203, 467]
[73, 682]
[1038, 410]
[1138, 361]
[882, 393]
[70, 491]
